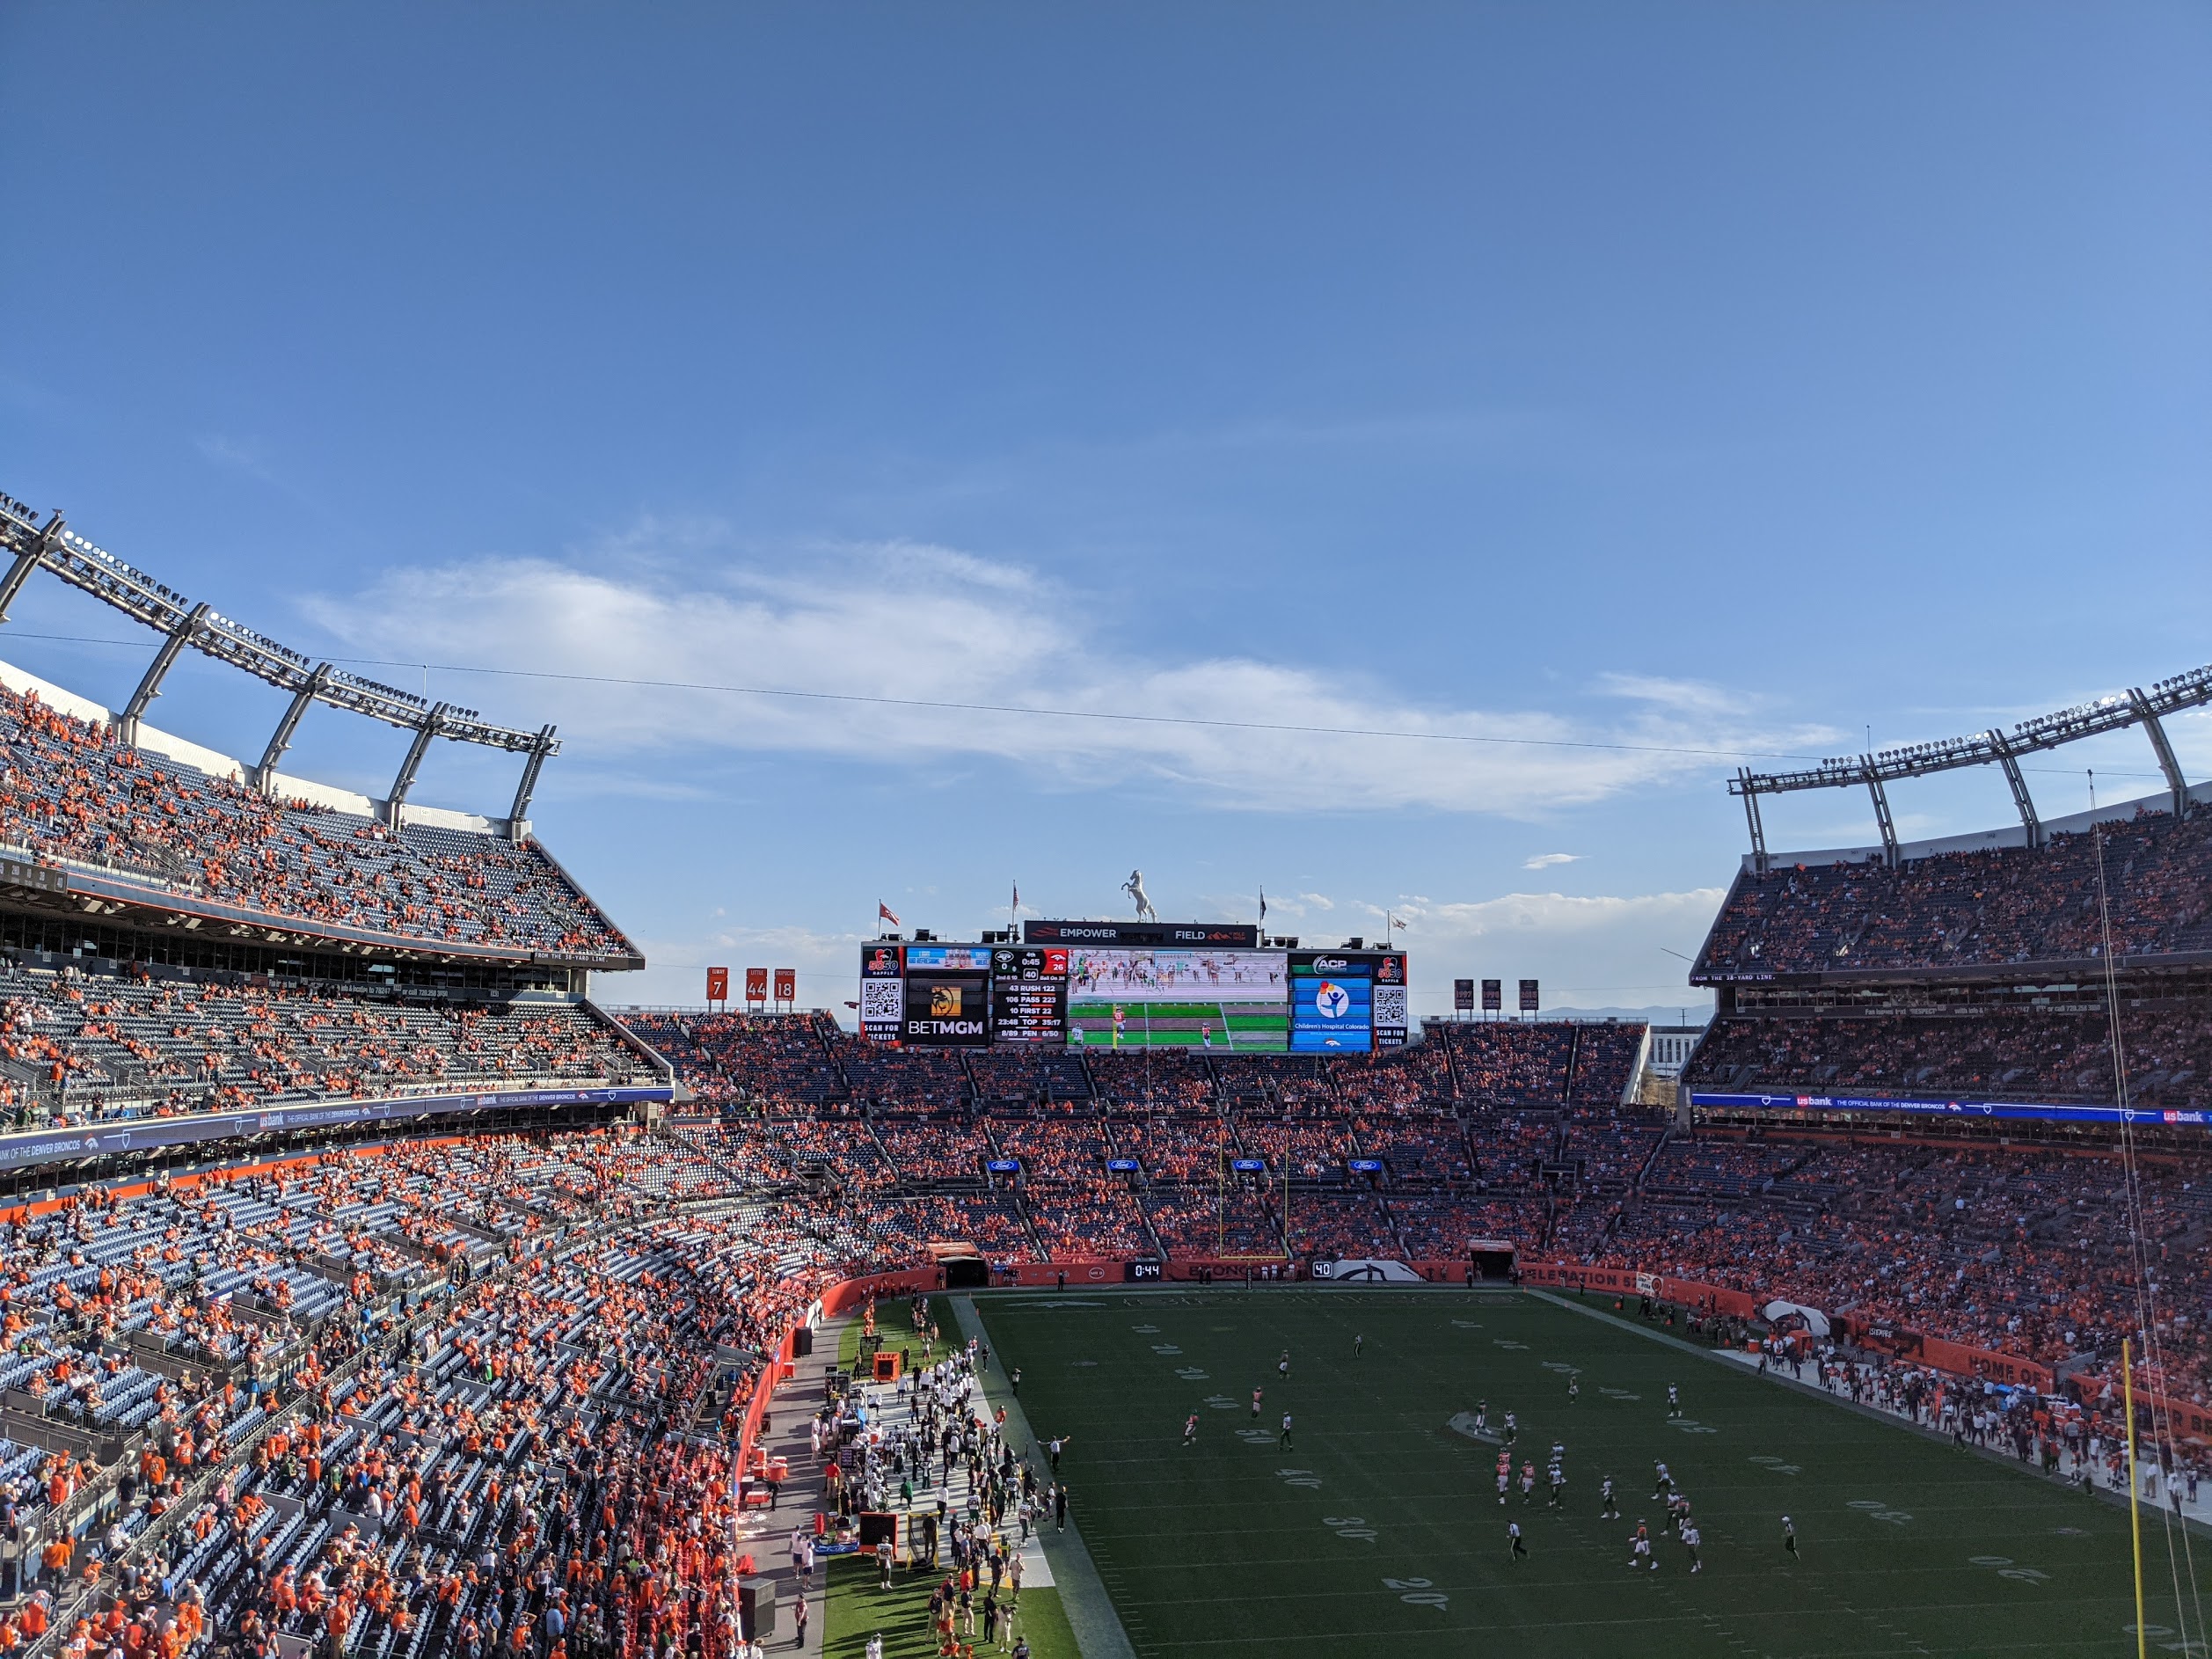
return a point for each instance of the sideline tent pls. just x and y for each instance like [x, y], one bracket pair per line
[1780, 1312]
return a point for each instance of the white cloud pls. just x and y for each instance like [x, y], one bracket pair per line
[1545, 860]
[1586, 951]
[1564, 914]
[933, 625]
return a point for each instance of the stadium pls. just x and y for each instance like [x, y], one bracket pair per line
[379, 1283]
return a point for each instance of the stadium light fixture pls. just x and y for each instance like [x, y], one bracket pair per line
[93, 570]
[2113, 712]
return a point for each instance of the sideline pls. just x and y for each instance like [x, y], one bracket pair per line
[1083, 1595]
[2115, 1500]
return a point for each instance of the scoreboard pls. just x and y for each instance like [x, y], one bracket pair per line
[1192, 988]
[1029, 995]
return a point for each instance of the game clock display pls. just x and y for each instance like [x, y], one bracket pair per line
[1029, 995]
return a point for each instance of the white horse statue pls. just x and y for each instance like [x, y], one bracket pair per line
[1134, 888]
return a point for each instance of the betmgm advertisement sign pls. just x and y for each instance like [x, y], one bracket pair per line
[948, 1010]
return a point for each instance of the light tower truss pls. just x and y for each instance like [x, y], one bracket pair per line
[30, 546]
[2000, 749]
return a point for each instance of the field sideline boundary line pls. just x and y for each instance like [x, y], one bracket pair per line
[2110, 1499]
[1091, 1612]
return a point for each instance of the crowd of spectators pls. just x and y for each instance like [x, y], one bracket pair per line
[79, 1048]
[927, 1152]
[1232, 1221]
[775, 1063]
[439, 1399]
[1141, 1083]
[1999, 907]
[1175, 1150]
[460, 1396]
[2018, 1249]
[1059, 1152]
[69, 792]
[1437, 1227]
[1975, 1052]
[1312, 1151]
[996, 1226]
[887, 1079]
[1006, 1078]
[1075, 1221]
[1420, 1153]
[778, 1063]
[1507, 1063]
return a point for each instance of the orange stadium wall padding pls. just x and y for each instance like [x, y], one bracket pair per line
[1568, 1275]
[1082, 1272]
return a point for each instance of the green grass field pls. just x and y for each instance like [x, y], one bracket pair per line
[1380, 1533]
[859, 1608]
[1241, 1026]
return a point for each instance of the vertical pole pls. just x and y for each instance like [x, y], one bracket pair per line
[2135, 1515]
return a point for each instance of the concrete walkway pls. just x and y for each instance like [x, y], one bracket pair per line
[767, 1532]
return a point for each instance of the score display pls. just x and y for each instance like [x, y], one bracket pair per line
[1029, 995]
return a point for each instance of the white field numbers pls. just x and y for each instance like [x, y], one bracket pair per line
[1351, 1526]
[1419, 1592]
[2180, 1644]
[1875, 1510]
[2004, 1567]
[1299, 1478]
[1777, 1467]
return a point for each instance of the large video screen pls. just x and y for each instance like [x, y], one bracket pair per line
[1332, 1012]
[1227, 1000]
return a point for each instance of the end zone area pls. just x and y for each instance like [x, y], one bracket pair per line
[1378, 1529]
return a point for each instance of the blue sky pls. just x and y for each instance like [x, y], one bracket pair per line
[1720, 378]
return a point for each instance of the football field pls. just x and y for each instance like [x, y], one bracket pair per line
[1379, 1531]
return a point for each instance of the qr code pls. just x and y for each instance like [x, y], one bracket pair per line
[1390, 1007]
[882, 1002]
